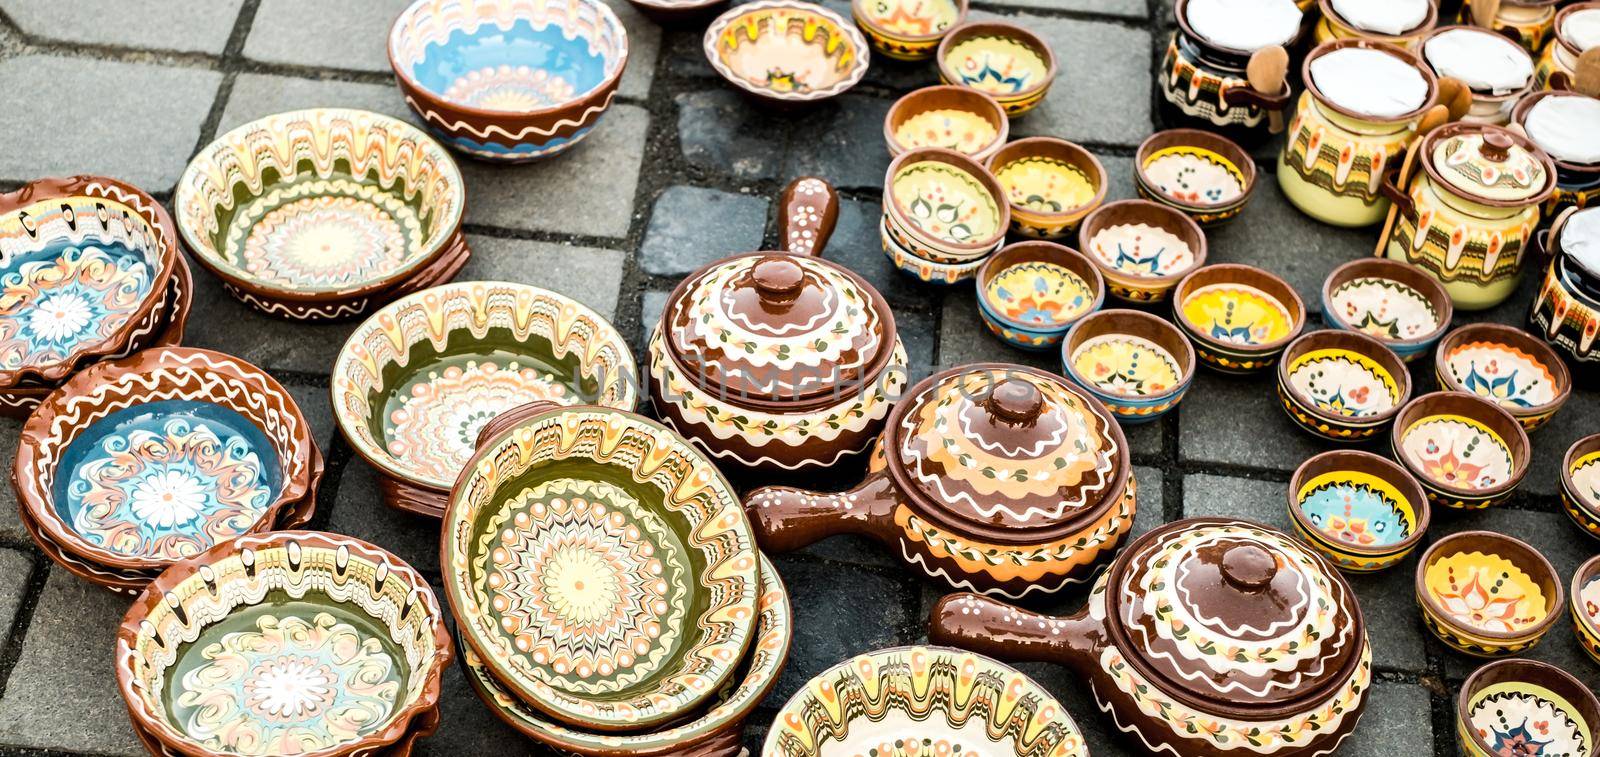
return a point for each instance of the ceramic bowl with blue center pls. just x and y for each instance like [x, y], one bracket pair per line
[509, 80]
[1361, 511]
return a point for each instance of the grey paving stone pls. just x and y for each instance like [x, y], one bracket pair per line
[359, 511]
[258, 95]
[15, 569]
[1120, 186]
[691, 226]
[1102, 90]
[1233, 420]
[65, 678]
[1578, 418]
[649, 317]
[1152, 500]
[1210, 496]
[301, 33]
[220, 322]
[718, 131]
[590, 275]
[98, 117]
[644, 46]
[200, 26]
[317, 407]
[858, 245]
[1274, 235]
[586, 190]
[466, 725]
[842, 141]
[1398, 720]
[10, 518]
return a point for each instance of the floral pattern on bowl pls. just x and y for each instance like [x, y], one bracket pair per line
[1046, 185]
[1585, 476]
[997, 64]
[1141, 250]
[1486, 592]
[1344, 383]
[909, 18]
[959, 130]
[1357, 509]
[1127, 365]
[946, 202]
[1515, 720]
[1458, 452]
[1238, 314]
[1502, 373]
[787, 51]
[1194, 176]
[1384, 309]
[1039, 294]
[1362, 511]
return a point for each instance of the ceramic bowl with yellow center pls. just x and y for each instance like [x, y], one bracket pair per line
[1205, 175]
[955, 118]
[1359, 510]
[786, 52]
[1141, 247]
[1487, 594]
[1580, 484]
[907, 29]
[1051, 185]
[1030, 293]
[1341, 385]
[1004, 60]
[1526, 707]
[1240, 317]
[943, 207]
[1392, 301]
[1507, 365]
[1139, 365]
[1467, 451]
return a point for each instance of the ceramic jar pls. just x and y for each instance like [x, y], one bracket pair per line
[1206, 638]
[1334, 159]
[1497, 70]
[1529, 21]
[1560, 124]
[1560, 56]
[1203, 84]
[989, 477]
[778, 361]
[1566, 312]
[1469, 215]
[1334, 25]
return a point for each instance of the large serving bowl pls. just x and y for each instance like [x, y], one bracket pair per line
[1586, 606]
[1141, 248]
[1050, 183]
[1466, 451]
[907, 29]
[323, 213]
[1240, 317]
[292, 642]
[1359, 510]
[958, 703]
[1003, 59]
[955, 118]
[508, 80]
[1030, 293]
[1506, 365]
[137, 463]
[599, 566]
[1205, 175]
[1526, 706]
[786, 52]
[420, 377]
[1580, 484]
[1396, 303]
[1487, 594]
[1139, 365]
[1341, 385]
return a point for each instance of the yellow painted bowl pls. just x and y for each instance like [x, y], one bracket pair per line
[1487, 594]
[1586, 607]
[1580, 484]
[1205, 175]
[907, 29]
[1004, 60]
[1359, 510]
[1030, 293]
[1138, 365]
[1467, 452]
[955, 118]
[1341, 385]
[1526, 707]
[1050, 183]
[1142, 248]
[1240, 317]
[947, 202]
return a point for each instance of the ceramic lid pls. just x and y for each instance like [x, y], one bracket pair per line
[1243, 25]
[1489, 163]
[1007, 447]
[1580, 240]
[1222, 610]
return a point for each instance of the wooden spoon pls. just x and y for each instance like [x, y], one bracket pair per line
[1586, 75]
[1455, 96]
[1484, 12]
[1266, 72]
[1433, 118]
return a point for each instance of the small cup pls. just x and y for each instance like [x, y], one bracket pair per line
[1051, 184]
[1030, 293]
[1586, 606]
[1580, 484]
[1004, 60]
[1526, 691]
[1392, 301]
[1110, 236]
[1205, 175]
[955, 118]
[1467, 452]
[1341, 385]
[1487, 594]
[1139, 365]
[904, 30]
[1240, 317]
[1359, 510]
[1508, 366]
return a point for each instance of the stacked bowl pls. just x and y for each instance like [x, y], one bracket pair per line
[944, 214]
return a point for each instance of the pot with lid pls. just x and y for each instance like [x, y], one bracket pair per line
[1577, 29]
[1527, 21]
[778, 361]
[1401, 23]
[1203, 78]
[990, 477]
[1566, 311]
[1496, 70]
[1206, 637]
[1563, 125]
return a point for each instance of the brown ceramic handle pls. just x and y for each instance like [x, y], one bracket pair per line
[512, 417]
[299, 514]
[408, 497]
[1559, 81]
[1394, 193]
[994, 628]
[1243, 95]
[422, 726]
[810, 208]
[786, 518]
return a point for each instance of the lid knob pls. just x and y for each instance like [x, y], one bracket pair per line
[1014, 401]
[1496, 146]
[777, 278]
[1249, 566]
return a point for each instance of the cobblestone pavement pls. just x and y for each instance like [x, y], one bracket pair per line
[680, 172]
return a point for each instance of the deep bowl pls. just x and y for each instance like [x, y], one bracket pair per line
[1361, 511]
[907, 29]
[947, 202]
[1586, 606]
[1501, 702]
[1342, 385]
[1466, 451]
[1002, 59]
[509, 80]
[1050, 183]
[955, 118]
[1487, 594]
[1136, 268]
[1239, 316]
[786, 52]
[1205, 175]
[1580, 484]
[1030, 293]
[1139, 365]
[1392, 301]
[1506, 365]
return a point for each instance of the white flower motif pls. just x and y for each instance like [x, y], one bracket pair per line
[167, 498]
[60, 316]
[290, 687]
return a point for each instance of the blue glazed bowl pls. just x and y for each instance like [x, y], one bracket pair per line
[1030, 293]
[1139, 365]
[509, 80]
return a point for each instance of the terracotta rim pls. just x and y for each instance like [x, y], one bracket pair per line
[1590, 569]
[911, 104]
[1504, 546]
[1111, 321]
[1515, 338]
[1164, 217]
[1230, 273]
[1333, 17]
[1396, 271]
[967, 165]
[1391, 472]
[1367, 44]
[1458, 128]
[960, 32]
[1578, 449]
[1519, 116]
[1560, 21]
[1510, 431]
[1040, 251]
[961, 18]
[847, 30]
[1179, 11]
[1227, 148]
[1524, 669]
[1070, 153]
[1360, 344]
[1513, 95]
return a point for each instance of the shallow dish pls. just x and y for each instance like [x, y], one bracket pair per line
[1396, 303]
[1466, 451]
[1240, 317]
[1030, 293]
[1139, 365]
[1580, 484]
[955, 118]
[418, 379]
[293, 642]
[509, 80]
[1507, 365]
[1342, 385]
[1361, 511]
[1526, 707]
[1487, 594]
[1050, 183]
[947, 202]
[1205, 175]
[907, 29]
[1142, 248]
[1586, 606]
[1002, 59]
[599, 565]
[786, 52]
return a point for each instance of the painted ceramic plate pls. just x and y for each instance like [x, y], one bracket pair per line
[1039, 294]
[1344, 383]
[1358, 509]
[946, 202]
[787, 50]
[950, 128]
[1045, 185]
[1457, 451]
[1127, 365]
[1194, 176]
[914, 701]
[1141, 250]
[996, 64]
[1384, 309]
[1586, 478]
[910, 18]
[1524, 718]
[1238, 314]
[1486, 592]
[1502, 373]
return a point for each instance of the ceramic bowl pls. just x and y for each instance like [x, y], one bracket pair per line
[417, 380]
[85, 262]
[1205, 175]
[1030, 293]
[1580, 484]
[907, 29]
[1586, 606]
[1361, 511]
[955, 118]
[1466, 451]
[1394, 302]
[1487, 594]
[422, 726]
[900, 233]
[947, 202]
[600, 566]
[925, 270]
[1240, 317]
[1526, 707]
[959, 702]
[677, 12]
[1507, 365]
[137, 463]
[1141, 248]
[289, 642]
[322, 214]
[1050, 183]
[509, 80]
[716, 731]
[786, 52]
[1002, 59]
[1341, 385]
[1139, 365]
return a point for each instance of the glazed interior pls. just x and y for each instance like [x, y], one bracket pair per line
[955, 118]
[1461, 443]
[911, 19]
[1048, 177]
[1244, 308]
[947, 198]
[1586, 596]
[1528, 707]
[1142, 240]
[319, 201]
[1196, 169]
[1387, 300]
[1039, 286]
[788, 50]
[1489, 585]
[1129, 354]
[1581, 471]
[1361, 502]
[1000, 59]
[1345, 376]
[601, 567]
[1504, 365]
[420, 378]
[505, 56]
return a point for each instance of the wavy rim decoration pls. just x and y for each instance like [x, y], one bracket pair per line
[1487, 413]
[960, 33]
[1511, 339]
[1398, 272]
[851, 35]
[1360, 345]
[1352, 465]
[1519, 553]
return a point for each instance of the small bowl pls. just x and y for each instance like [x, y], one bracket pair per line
[907, 29]
[955, 118]
[1030, 293]
[1506, 365]
[946, 201]
[1580, 484]
[1466, 451]
[1143, 276]
[786, 52]
[1487, 594]
[912, 244]
[346, 640]
[1050, 183]
[1002, 59]
[1205, 175]
[677, 12]
[1139, 365]
[1341, 385]
[1359, 510]
[1394, 302]
[1240, 317]
[1500, 701]
[925, 270]
[416, 381]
